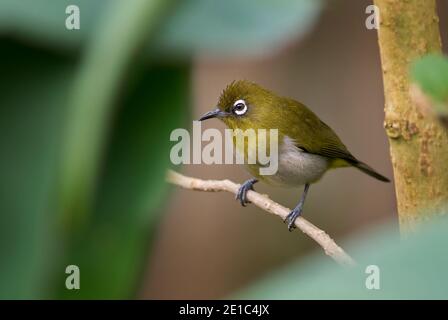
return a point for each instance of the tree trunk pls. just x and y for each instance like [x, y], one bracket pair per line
[418, 144]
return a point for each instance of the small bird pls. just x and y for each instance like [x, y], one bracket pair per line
[307, 147]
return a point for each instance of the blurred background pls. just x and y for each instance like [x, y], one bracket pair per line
[86, 114]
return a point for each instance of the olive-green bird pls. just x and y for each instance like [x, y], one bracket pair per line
[307, 146]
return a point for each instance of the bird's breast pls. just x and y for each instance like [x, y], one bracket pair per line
[297, 167]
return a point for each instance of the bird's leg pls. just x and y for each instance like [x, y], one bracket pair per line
[295, 213]
[242, 191]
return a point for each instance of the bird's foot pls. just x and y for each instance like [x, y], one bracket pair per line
[291, 218]
[242, 191]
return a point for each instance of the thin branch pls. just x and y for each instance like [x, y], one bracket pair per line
[263, 202]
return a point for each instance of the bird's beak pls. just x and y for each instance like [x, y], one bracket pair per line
[217, 113]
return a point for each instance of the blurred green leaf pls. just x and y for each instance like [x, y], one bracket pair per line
[414, 268]
[220, 27]
[235, 27]
[128, 148]
[43, 21]
[107, 62]
[430, 73]
[111, 252]
[34, 88]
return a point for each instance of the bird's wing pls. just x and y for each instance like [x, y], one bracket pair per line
[330, 145]
[313, 135]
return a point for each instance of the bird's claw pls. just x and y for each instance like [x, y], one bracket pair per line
[242, 191]
[291, 218]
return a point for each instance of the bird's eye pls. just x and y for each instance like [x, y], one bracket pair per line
[239, 107]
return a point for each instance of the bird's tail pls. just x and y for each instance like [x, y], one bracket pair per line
[368, 170]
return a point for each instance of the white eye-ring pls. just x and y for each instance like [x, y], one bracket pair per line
[239, 107]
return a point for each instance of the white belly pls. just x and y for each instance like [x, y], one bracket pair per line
[296, 167]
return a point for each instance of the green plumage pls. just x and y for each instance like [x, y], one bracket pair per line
[266, 110]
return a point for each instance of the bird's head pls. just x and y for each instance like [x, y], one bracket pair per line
[244, 105]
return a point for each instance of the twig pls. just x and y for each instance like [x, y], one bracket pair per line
[263, 202]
